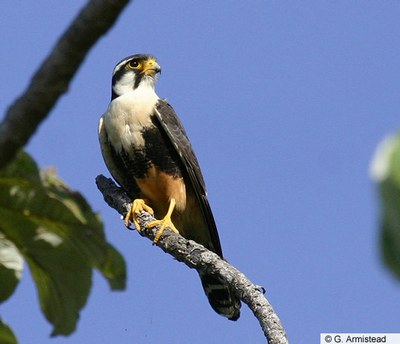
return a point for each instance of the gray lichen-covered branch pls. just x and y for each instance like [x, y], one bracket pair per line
[198, 257]
[52, 78]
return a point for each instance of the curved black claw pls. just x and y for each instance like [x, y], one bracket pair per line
[261, 289]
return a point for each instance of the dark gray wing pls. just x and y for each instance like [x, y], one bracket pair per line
[173, 127]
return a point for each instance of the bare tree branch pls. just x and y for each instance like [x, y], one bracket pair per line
[198, 257]
[54, 75]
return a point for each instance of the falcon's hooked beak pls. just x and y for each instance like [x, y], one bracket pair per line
[151, 67]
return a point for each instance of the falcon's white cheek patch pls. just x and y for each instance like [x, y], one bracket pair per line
[125, 84]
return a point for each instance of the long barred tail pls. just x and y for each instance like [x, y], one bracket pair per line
[221, 297]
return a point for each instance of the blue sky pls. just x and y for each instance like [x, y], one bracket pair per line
[284, 103]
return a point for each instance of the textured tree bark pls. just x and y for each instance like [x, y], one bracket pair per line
[198, 257]
[54, 75]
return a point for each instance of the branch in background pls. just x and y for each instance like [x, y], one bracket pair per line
[54, 75]
[198, 257]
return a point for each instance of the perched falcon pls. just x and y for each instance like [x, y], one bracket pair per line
[147, 151]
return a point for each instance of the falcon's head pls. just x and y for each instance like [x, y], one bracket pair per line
[135, 70]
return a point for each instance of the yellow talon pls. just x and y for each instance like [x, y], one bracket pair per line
[164, 223]
[138, 205]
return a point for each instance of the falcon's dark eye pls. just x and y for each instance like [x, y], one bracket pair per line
[134, 64]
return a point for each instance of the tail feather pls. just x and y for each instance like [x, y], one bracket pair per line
[221, 297]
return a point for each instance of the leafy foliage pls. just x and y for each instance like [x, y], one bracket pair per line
[59, 236]
[11, 264]
[6, 335]
[386, 172]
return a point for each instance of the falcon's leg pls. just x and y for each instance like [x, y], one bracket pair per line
[138, 205]
[165, 222]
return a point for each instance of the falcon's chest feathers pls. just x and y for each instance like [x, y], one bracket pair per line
[129, 116]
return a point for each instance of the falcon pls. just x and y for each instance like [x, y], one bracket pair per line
[147, 151]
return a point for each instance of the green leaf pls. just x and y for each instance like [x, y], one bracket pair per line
[60, 237]
[6, 335]
[11, 265]
[103, 256]
[385, 170]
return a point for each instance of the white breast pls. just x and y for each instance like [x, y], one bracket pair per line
[127, 115]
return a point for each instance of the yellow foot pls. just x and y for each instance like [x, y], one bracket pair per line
[164, 223]
[138, 205]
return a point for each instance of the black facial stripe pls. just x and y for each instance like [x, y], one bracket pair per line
[138, 78]
[116, 77]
